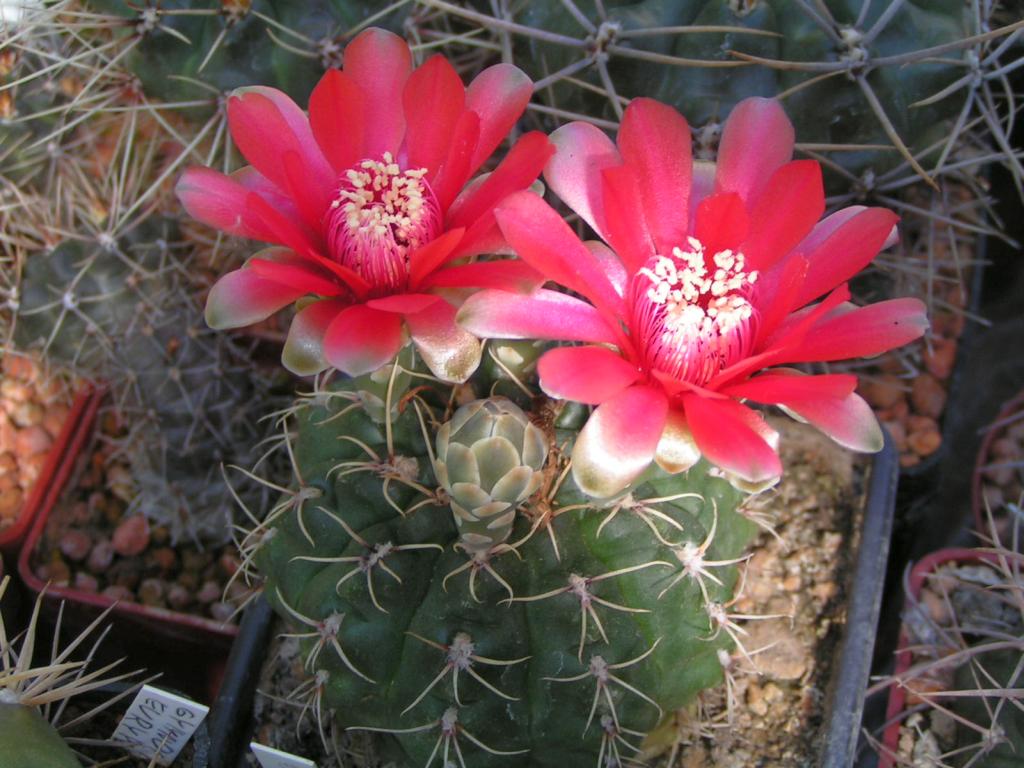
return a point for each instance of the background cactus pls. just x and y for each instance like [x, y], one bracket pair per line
[32, 698]
[120, 312]
[874, 69]
[569, 648]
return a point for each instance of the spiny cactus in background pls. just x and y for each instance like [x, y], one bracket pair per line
[870, 83]
[120, 312]
[221, 46]
[32, 697]
[510, 628]
[961, 659]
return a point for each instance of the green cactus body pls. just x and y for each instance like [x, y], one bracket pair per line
[27, 740]
[243, 42]
[708, 76]
[541, 657]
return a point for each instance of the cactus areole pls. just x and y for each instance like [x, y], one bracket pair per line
[514, 581]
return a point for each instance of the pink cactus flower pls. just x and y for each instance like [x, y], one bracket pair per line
[710, 278]
[369, 201]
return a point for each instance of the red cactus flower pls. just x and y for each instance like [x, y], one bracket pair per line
[708, 281]
[368, 202]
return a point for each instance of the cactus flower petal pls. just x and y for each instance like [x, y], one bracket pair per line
[619, 440]
[845, 251]
[791, 205]
[585, 374]
[545, 242]
[655, 142]
[677, 450]
[267, 126]
[497, 96]
[360, 339]
[451, 353]
[582, 152]
[507, 275]
[757, 138]
[730, 436]
[243, 297]
[303, 352]
[428, 131]
[380, 62]
[542, 315]
[337, 117]
[850, 332]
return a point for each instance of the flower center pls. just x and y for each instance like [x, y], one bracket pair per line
[691, 314]
[381, 215]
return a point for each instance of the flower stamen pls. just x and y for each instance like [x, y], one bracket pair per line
[380, 215]
[692, 313]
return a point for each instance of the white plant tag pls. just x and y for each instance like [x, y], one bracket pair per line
[275, 758]
[158, 724]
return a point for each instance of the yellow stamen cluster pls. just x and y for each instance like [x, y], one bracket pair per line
[693, 312]
[380, 215]
[699, 305]
[383, 200]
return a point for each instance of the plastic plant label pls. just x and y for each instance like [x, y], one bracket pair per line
[158, 724]
[275, 758]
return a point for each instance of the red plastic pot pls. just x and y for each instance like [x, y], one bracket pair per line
[162, 637]
[1009, 408]
[13, 536]
[904, 655]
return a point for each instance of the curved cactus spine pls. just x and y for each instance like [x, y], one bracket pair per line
[577, 636]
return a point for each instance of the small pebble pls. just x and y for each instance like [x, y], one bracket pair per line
[117, 592]
[928, 396]
[8, 463]
[31, 468]
[195, 561]
[209, 592]
[160, 535]
[236, 590]
[86, 582]
[126, 572]
[938, 609]
[10, 504]
[80, 514]
[939, 360]
[100, 557]
[884, 391]
[222, 611]
[189, 580]
[898, 432]
[925, 442]
[151, 592]
[33, 440]
[229, 564]
[132, 536]
[178, 597]
[54, 418]
[58, 572]
[163, 558]
[28, 415]
[75, 545]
